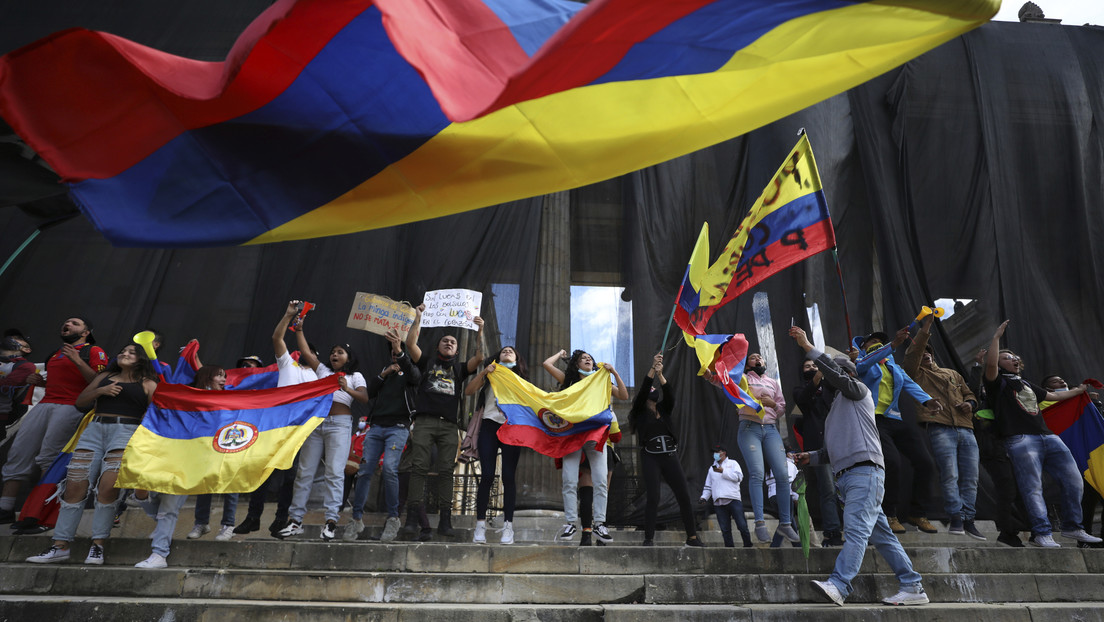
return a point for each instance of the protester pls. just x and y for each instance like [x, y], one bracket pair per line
[490, 446]
[950, 430]
[722, 486]
[120, 395]
[579, 365]
[651, 421]
[393, 392]
[14, 371]
[852, 446]
[900, 439]
[437, 420]
[213, 378]
[814, 398]
[761, 445]
[329, 442]
[48, 426]
[1032, 447]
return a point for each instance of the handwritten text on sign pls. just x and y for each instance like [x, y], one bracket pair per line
[451, 307]
[378, 314]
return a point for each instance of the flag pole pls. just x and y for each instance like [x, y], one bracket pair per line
[667, 332]
[835, 254]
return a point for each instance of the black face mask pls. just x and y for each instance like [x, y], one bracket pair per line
[71, 338]
[759, 370]
[808, 375]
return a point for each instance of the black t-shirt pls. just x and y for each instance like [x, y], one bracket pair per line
[1016, 405]
[442, 386]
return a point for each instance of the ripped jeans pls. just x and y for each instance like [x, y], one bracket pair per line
[99, 451]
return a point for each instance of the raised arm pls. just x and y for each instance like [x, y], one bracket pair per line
[412, 348]
[620, 391]
[847, 385]
[477, 381]
[549, 365]
[915, 352]
[477, 358]
[281, 328]
[306, 356]
[992, 356]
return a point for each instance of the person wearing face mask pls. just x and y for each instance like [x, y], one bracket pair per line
[213, 378]
[761, 445]
[47, 427]
[814, 397]
[14, 371]
[651, 420]
[950, 430]
[489, 446]
[722, 486]
[586, 472]
[437, 420]
[393, 392]
[901, 440]
[1032, 447]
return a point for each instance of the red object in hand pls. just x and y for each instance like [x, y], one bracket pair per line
[304, 309]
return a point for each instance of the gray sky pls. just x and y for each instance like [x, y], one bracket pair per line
[1071, 12]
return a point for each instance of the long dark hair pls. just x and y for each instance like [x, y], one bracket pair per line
[571, 374]
[521, 369]
[351, 366]
[143, 370]
[205, 375]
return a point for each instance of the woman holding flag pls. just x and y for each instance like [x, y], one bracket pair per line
[213, 378]
[120, 395]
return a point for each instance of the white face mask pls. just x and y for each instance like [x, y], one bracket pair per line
[1059, 390]
[362, 424]
[586, 373]
[716, 457]
[509, 365]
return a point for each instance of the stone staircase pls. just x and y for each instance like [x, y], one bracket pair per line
[260, 578]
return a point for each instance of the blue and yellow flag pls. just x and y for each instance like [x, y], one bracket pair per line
[1080, 425]
[554, 424]
[193, 441]
[331, 117]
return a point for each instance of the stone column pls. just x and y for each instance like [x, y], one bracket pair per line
[538, 481]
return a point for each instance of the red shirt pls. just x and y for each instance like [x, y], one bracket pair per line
[64, 382]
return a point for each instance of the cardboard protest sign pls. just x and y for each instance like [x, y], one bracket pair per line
[451, 307]
[378, 314]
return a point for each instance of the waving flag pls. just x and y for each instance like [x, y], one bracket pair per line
[331, 117]
[1079, 424]
[238, 378]
[788, 223]
[193, 441]
[554, 424]
[41, 506]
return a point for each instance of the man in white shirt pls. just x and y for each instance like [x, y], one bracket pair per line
[722, 485]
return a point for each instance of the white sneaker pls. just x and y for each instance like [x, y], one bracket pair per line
[1046, 542]
[480, 536]
[352, 530]
[199, 531]
[602, 532]
[153, 561]
[567, 532]
[1080, 536]
[390, 529]
[907, 598]
[226, 532]
[52, 555]
[507, 533]
[95, 556]
[293, 528]
[830, 591]
[329, 530]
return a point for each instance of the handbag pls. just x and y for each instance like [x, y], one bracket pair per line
[469, 447]
[662, 444]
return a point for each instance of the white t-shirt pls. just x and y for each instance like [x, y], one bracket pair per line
[292, 372]
[355, 381]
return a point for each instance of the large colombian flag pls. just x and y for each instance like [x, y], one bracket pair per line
[193, 441]
[237, 378]
[334, 116]
[788, 223]
[1079, 424]
[554, 424]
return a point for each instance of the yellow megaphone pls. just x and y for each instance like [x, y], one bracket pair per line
[926, 311]
[145, 339]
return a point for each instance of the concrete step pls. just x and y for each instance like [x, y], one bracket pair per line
[523, 588]
[274, 554]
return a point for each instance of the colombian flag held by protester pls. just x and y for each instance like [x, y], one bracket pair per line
[1080, 425]
[237, 378]
[41, 506]
[331, 117]
[193, 441]
[788, 223]
[554, 424]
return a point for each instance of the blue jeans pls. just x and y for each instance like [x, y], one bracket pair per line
[229, 509]
[861, 489]
[731, 511]
[1031, 454]
[330, 442]
[826, 490]
[760, 443]
[388, 441]
[570, 478]
[165, 509]
[956, 457]
[90, 460]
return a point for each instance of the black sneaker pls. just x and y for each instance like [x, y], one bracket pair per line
[7, 516]
[585, 539]
[647, 543]
[1010, 539]
[567, 532]
[602, 533]
[971, 530]
[831, 538]
[276, 525]
[694, 541]
[249, 525]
